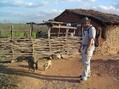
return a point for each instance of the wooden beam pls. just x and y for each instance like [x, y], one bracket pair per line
[65, 27]
[57, 22]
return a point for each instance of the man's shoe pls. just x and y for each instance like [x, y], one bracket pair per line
[84, 78]
[80, 76]
[88, 76]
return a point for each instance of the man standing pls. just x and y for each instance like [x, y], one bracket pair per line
[87, 47]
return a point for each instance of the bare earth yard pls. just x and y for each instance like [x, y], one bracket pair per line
[64, 74]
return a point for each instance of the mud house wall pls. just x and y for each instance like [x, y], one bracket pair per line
[111, 44]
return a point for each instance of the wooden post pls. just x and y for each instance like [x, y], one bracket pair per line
[66, 38]
[31, 29]
[59, 31]
[74, 32]
[13, 54]
[66, 34]
[11, 32]
[11, 38]
[33, 47]
[49, 30]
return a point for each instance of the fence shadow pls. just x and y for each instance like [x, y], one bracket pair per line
[13, 71]
[73, 79]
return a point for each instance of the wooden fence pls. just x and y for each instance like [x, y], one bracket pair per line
[12, 48]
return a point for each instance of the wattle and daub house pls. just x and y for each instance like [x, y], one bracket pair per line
[107, 23]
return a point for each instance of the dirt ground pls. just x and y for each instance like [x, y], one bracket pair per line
[64, 74]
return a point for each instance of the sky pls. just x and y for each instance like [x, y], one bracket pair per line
[22, 11]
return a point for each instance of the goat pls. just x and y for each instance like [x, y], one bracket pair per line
[32, 65]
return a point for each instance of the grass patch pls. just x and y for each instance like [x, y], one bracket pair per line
[34, 35]
[20, 30]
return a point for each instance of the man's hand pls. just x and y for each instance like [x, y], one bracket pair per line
[79, 50]
[91, 43]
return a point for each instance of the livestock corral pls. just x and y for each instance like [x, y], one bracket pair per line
[18, 43]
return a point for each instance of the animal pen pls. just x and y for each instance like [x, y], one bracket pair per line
[60, 38]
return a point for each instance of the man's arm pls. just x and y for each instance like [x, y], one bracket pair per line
[92, 34]
[91, 42]
[81, 40]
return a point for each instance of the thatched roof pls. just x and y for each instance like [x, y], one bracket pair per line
[103, 17]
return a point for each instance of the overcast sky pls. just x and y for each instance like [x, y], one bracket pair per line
[22, 11]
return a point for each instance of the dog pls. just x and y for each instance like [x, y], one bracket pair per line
[48, 63]
[32, 65]
[20, 59]
[56, 56]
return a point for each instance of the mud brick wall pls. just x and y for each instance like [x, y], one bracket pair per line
[111, 45]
